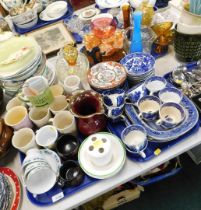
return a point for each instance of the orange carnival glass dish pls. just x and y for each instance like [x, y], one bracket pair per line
[103, 26]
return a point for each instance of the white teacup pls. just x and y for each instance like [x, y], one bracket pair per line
[14, 102]
[39, 116]
[47, 136]
[59, 104]
[99, 150]
[71, 83]
[64, 122]
[17, 117]
[24, 139]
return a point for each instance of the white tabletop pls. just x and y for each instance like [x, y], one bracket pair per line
[131, 169]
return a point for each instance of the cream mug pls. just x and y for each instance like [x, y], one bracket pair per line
[59, 104]
[17, 117]
[24, 139]
[39, 116]
[64, 122]
[71, 83]
[14, 102]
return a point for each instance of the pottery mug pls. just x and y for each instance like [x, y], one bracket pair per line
[114, 97]
[24, 139]
[14, 102]
[47, 136]
[39, 116]
[72, 83]
[59, 104]
[64, 122]
[18, 118]
[70, 174]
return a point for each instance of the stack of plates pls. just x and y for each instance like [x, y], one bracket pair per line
[139, 67]
[21, 59]
[5, 192]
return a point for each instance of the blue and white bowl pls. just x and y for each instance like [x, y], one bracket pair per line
[171, 114]
[135, 139]
[138, 64]
[148, 107]
[155, 84]
[170, 94]
[114, 97]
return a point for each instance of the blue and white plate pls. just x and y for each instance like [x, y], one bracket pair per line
[158, 134]
[138, 64]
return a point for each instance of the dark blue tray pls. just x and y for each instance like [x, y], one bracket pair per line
[42, 23]
[117, 128]
[56, 192]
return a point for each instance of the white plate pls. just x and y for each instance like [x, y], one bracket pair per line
[44, 15]
[103, 172]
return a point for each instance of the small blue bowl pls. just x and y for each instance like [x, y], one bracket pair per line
[171, 114]
[155, 84]
[170, 94]
[114, 97]
[148, 107]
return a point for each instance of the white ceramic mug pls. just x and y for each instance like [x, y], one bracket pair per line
[17, 117]
[14, 102]
[59, 104]
[47, 136]
[24, 139]
[39, 116]
[72, 83]
[64, 122]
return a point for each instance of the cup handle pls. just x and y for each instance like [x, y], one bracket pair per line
[151, 93]
[142, 154]
[158, 122]
[60, 182]
[23, 181]
[50, 121]
[126, 121]
[140, 115]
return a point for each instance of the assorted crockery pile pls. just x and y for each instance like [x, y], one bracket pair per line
[26, 15]
[21, 62]
[61, 130]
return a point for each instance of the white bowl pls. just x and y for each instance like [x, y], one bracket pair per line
[58, 8]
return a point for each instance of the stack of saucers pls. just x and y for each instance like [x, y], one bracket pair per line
[5, 192]
[139, 67]
[21, 58]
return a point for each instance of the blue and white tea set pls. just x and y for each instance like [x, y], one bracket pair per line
[156, 111]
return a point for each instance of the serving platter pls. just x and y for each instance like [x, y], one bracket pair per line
[157, 133]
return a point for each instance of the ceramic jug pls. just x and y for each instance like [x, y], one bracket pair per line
[87, 107]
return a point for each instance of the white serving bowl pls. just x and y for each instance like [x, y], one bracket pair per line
[29, 24]
[26, 17]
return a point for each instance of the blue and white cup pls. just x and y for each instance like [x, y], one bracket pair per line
[114, 112]
[148, 107]
[135, 139]
[171, 114]
[170, 94]
[155, 84]
[114, 97]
